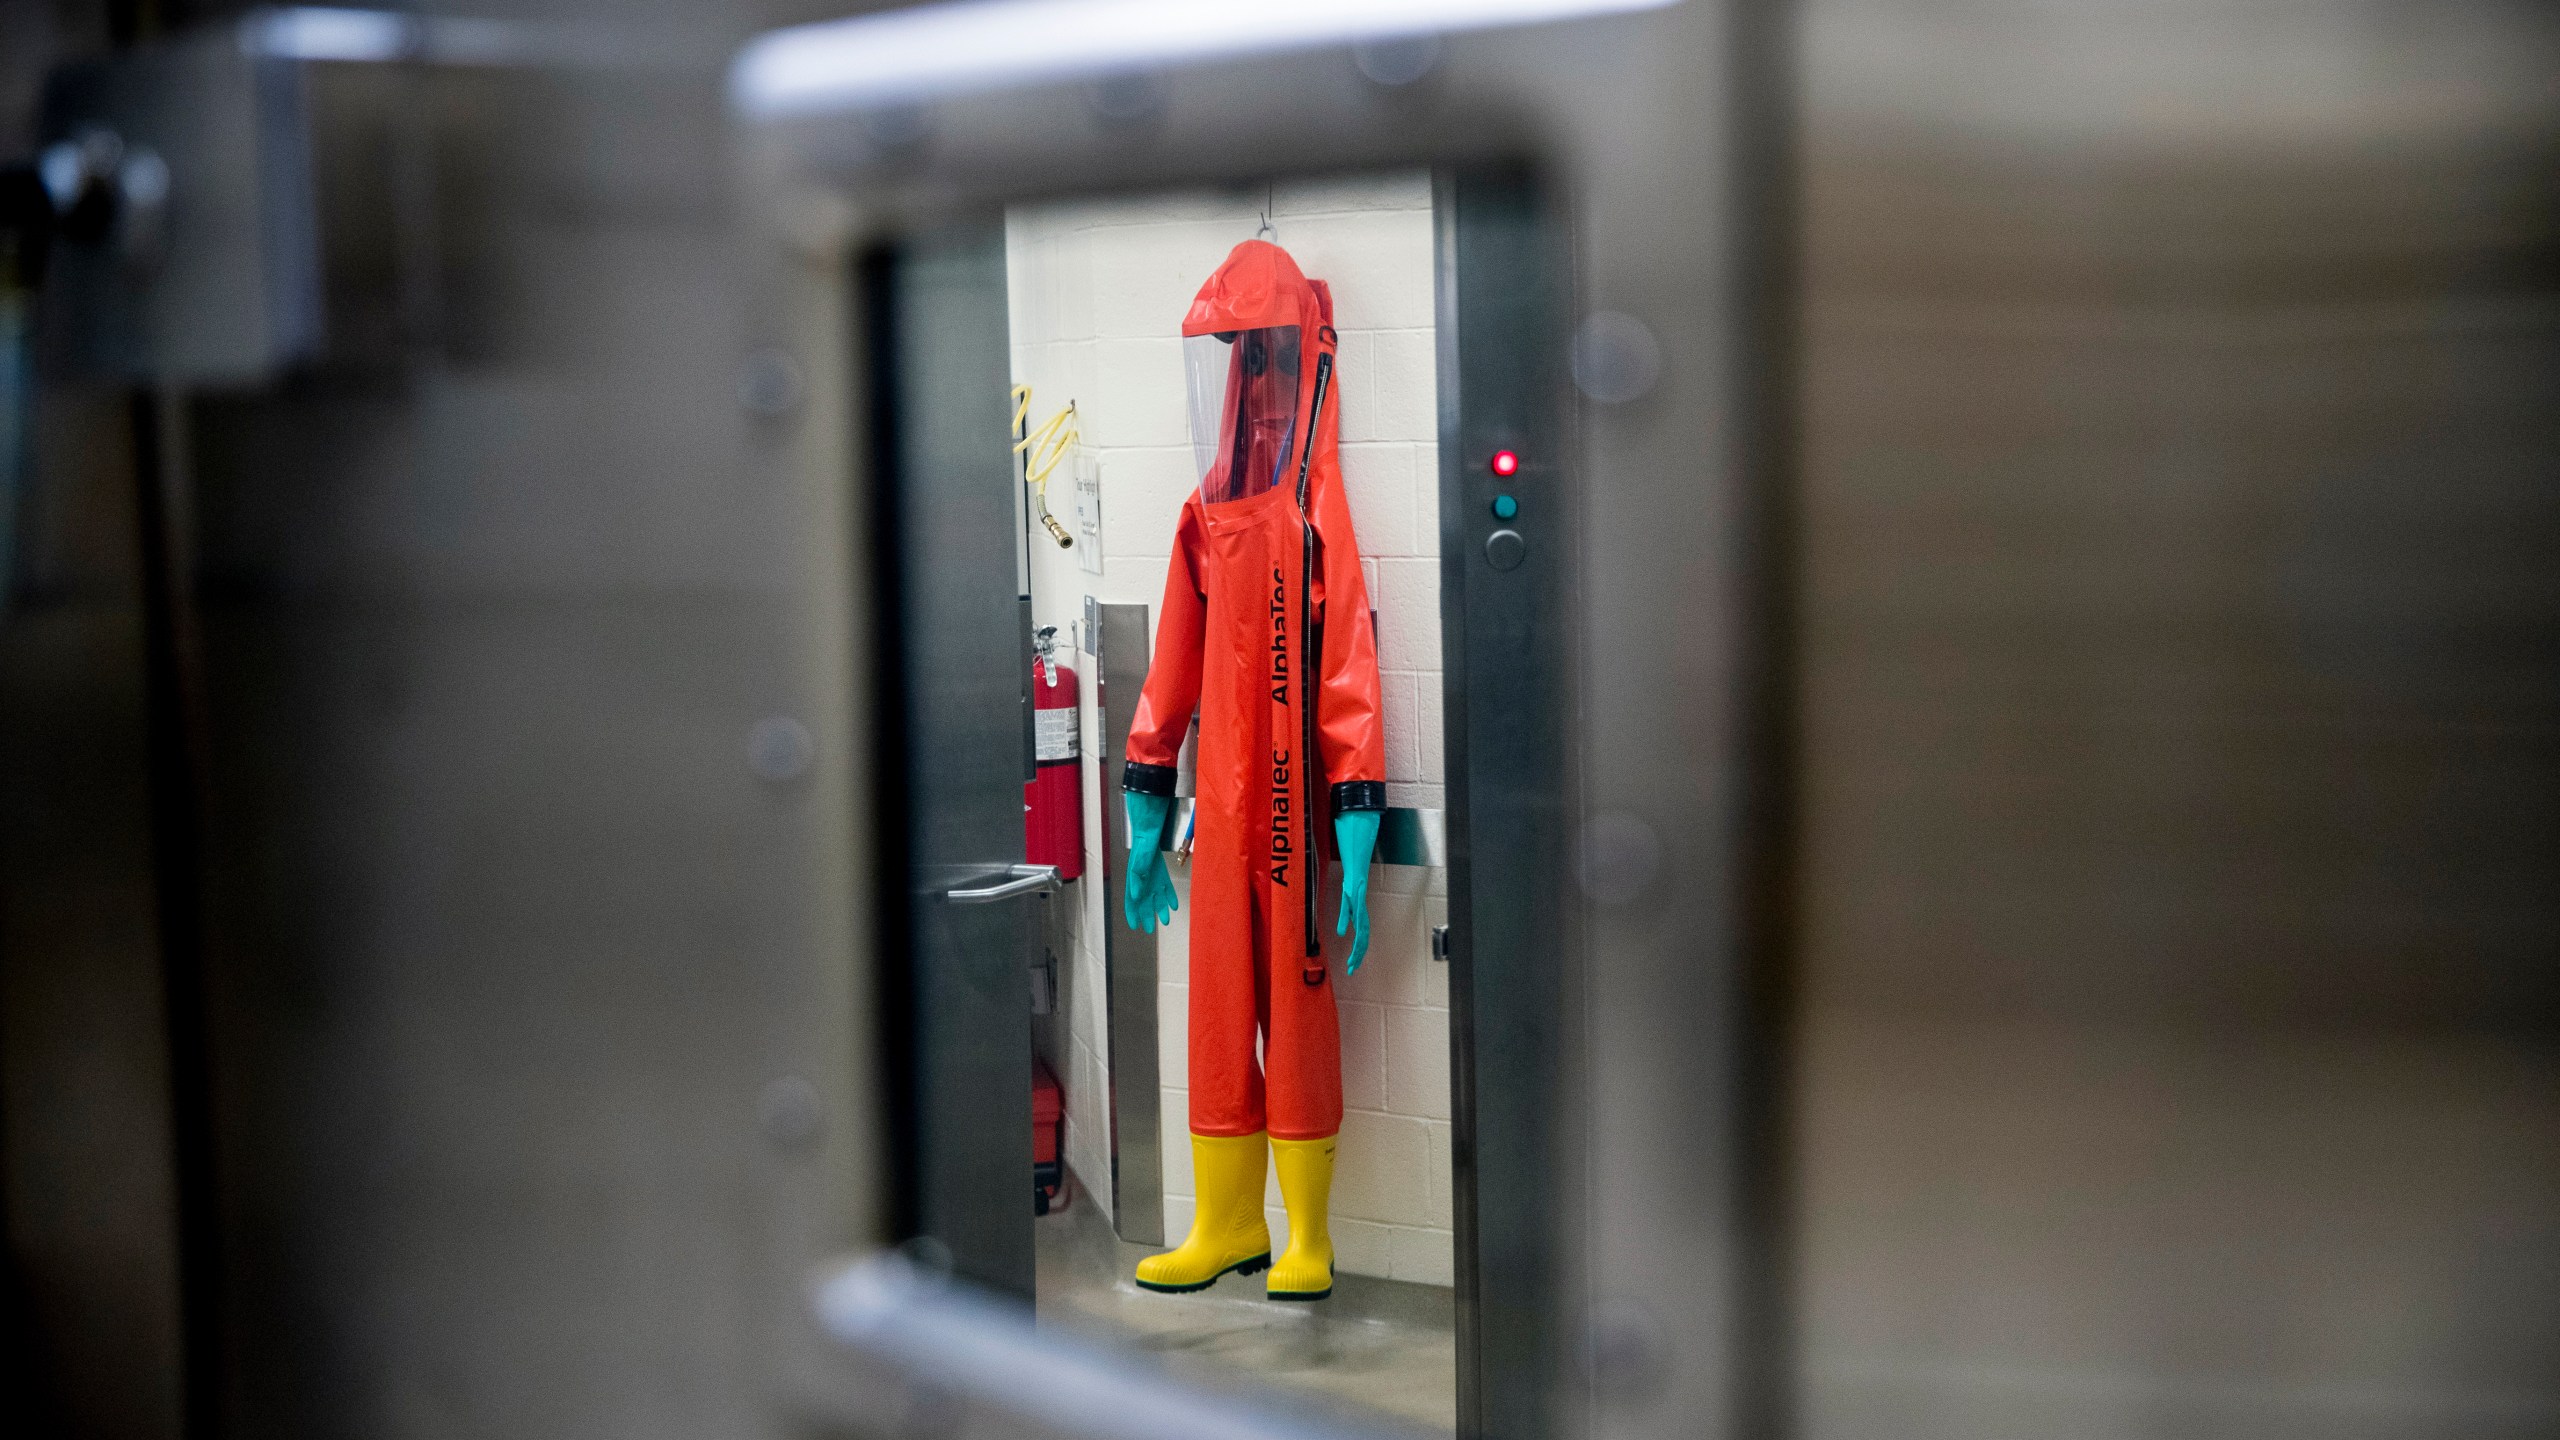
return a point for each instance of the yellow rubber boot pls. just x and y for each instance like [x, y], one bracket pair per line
[1305, 1269]
[1227, 1229]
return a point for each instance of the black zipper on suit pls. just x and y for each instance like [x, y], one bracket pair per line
[1314, 643]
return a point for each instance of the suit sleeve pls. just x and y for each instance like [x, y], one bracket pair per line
[1172, 690]
[1350, 727]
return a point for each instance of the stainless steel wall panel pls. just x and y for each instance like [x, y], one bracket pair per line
[1128, 955]
[534, 1027]
[2180, 722]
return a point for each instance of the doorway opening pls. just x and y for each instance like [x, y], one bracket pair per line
[1097, 290]
[1042, 1030]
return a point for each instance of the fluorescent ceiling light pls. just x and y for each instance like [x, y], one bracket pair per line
[929, 51]
[333, 33]
[312, 32]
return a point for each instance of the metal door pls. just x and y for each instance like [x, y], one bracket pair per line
[958, 656]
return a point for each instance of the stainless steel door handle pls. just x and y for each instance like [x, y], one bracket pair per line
[1022, 880]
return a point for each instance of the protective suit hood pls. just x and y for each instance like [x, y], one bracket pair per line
[1258, 286]
[1253, 342]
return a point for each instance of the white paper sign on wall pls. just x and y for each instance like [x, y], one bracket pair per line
[1088, 472]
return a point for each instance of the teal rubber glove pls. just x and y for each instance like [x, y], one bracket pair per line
[1355, 834]
[1149, 902]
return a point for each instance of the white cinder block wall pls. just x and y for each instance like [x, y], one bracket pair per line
[1098, 290]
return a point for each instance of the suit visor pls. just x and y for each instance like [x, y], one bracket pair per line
[1244, 409]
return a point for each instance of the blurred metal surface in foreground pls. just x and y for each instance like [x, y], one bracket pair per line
[506, 931]
[2171, 790]
[2179, 1049]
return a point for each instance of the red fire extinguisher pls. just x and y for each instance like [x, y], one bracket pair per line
[1053, 802]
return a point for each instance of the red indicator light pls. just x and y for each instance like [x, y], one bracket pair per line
[1505, 463]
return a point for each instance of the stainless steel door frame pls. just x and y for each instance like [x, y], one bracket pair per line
[1646, 1317]
[1508, 689]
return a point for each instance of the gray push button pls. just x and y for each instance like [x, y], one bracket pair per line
[1504, 549]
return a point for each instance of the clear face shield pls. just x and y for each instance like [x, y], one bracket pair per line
[1244, 410]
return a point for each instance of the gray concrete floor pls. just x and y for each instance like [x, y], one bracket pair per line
[1378, 1350]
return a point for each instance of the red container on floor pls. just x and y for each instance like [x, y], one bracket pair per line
[1048, 1140]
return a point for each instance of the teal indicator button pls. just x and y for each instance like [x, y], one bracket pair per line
[1504, 507]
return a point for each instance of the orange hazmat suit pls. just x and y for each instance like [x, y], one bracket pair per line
[1266, 632]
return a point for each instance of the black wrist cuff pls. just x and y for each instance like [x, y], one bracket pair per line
[1359, 795]
[1148, 779]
